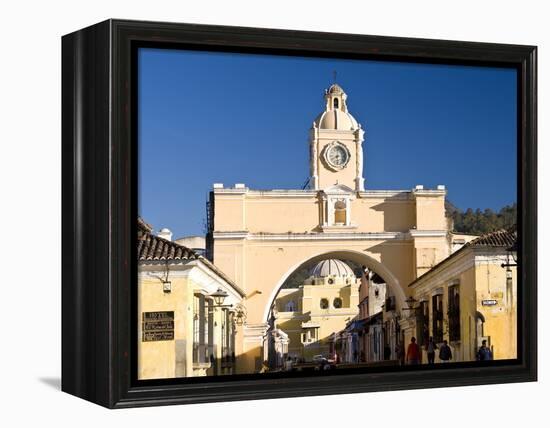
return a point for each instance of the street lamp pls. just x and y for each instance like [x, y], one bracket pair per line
[240, 314]
[411, 303]
[219, 296]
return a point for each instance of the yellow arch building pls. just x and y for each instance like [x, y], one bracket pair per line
[258, 238]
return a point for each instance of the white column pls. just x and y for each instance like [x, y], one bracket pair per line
[359, 180]
[330, 206]
[314, 179]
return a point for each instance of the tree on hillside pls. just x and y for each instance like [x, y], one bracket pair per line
[479, 222]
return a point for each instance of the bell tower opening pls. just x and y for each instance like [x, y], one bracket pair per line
[340, 213]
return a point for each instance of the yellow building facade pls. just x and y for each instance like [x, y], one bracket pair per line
[471, 296]
[260, 237]
[312, 312]
[257, 240]
[182, 331]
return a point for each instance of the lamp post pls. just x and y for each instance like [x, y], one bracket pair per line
[411, 303]
[511, 253]
[219, 296]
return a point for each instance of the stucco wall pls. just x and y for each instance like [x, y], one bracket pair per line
[479, 276]
[168, 358]
[263, 213]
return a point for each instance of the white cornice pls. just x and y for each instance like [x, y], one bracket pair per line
[427, 233]
[231, 235]
[429, 192]
[352, 236]
[282, 193]
[231, 191]
[398, 194]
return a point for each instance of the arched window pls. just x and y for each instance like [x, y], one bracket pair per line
[335, 103]
[340, 212]
[290, 306]
[324, 304]
[337, 303]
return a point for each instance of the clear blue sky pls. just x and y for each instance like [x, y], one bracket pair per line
[239, 118]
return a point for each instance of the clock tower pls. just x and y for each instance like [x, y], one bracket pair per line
[336, 145]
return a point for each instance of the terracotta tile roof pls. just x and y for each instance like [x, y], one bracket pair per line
[151, 247]
[499, 239]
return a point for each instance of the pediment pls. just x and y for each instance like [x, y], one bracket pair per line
[338, 189]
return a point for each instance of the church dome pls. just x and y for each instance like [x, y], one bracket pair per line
[331, 267]
[335, 89]
[336, 115]
[336, 119]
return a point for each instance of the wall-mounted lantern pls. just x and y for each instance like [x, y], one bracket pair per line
[219, 296]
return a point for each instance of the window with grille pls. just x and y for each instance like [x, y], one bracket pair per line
[199, 331]
[209, 330]
[225, 332]
[454, 313]
[437, 318]
[424, 323]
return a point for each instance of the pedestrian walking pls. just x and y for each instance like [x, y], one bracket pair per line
[430, 350]
[445, 354]
[399, 353]
[288, 364]
[484, 353]
[413, 353]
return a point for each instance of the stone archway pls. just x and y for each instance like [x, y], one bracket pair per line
[360, 258]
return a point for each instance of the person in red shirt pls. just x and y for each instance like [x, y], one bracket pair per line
[413, 353]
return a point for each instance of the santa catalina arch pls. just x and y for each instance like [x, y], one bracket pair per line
[259, 237]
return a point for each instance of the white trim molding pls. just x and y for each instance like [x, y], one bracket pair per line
[427, 233]
[315, 236]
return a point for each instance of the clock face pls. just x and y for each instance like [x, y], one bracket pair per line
[337, 155]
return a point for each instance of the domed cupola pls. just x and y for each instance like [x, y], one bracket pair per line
[332, 268]
[336, 151]
[336, 115]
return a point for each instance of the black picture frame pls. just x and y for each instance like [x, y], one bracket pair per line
[99, 164]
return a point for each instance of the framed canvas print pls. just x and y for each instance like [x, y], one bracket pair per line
[253, 213]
